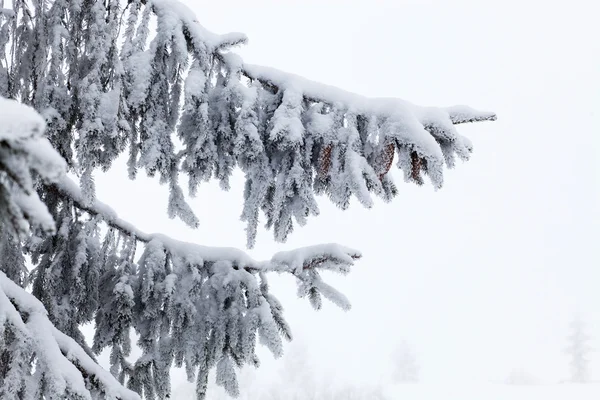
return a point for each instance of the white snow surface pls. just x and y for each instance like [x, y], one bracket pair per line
[32, 206]
[19, 121]
[180, 11]
[492, 391]
[449, 391]
[296, 259]
[22, 129]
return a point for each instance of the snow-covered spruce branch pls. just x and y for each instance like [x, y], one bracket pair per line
[195, 306]
[295, 261]
[316, 92]
[105, 84]
[62, 368]
[191, 305]
[24, 150]
[350, 141]
[293, 138]
[36, 359]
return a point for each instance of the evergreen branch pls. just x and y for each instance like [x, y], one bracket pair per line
[316, 92]
[310, 257]
[276, 80]
[103, 91]
[466, 114]
[60, 358]
[69, 189]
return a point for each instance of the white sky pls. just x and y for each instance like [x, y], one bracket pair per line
[484, 275]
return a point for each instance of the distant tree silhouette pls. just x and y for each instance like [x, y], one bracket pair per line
[578, 350]
[405, 366]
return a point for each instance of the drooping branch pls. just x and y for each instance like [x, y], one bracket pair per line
[292, 137]
[291, 261]
[209, 282]
[306, 117]
[109, 85]
[24, 151]
[195, 32]
[58, 357]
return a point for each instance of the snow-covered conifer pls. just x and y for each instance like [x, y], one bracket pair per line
[405, 367]
[37, 360]
[579, 351]
[143, 78]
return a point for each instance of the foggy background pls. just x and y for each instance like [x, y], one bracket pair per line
[482, 277]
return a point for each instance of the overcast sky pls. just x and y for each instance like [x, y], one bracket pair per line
[483, 276]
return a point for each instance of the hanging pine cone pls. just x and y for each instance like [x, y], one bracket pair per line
[387, 158]
[417, 164]
[325, 160]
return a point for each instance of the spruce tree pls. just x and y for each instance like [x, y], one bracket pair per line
[578, 350]
[405, 368]
[83, 82]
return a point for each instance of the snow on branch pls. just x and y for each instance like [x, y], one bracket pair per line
[191, 305]
[38, 360]
[179, 13]
[200, 307]
[322, 93]
[306, 138]
[325, 256]
[293, 138]
[62, 368]
[204, 306]
[24, 150]
[465, 114]
[128, 76]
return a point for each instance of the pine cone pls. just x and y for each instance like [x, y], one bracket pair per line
[325, 160]
[417, 165]
[387, 158]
